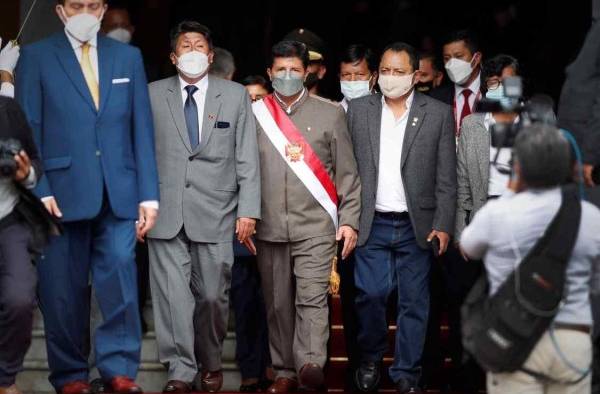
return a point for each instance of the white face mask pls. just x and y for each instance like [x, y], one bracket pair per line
[458, 70]
[192, 64]
[120, 34]
[394, 86]
[83, 27]
[355, 89]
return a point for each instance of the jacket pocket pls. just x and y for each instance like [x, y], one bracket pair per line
[427, 203]
[57, 163]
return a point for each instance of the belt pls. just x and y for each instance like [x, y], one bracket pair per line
[575, 327]
[12, 218]
[392, 215]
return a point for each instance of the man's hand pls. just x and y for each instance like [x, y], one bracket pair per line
[9, 56]
[587, 175]
[349, 236]
[443, 237]
[52, 206]
[147, 219]
[245, 228]
[23, 166]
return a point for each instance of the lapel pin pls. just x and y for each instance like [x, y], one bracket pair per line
[308, 128]
[211, 116]
[415, 120]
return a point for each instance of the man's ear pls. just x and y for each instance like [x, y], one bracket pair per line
[211, 56]
[437, 80]
[269, 74]
[477, 56]
[60, 12]
[417, 76]
[173, 58]
[322, 71]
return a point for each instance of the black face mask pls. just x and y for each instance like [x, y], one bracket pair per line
[312, 79]
[424, 87]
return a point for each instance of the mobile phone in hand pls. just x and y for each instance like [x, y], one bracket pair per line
[435, 245]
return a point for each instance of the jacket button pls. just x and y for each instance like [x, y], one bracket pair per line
[187, 185]
[190, 158]
[98, 153]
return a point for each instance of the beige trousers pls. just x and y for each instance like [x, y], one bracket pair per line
[295, 282]
[577, 348]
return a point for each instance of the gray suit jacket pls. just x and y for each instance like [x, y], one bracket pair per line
[473, 170]
[428, 163]
[204, 189]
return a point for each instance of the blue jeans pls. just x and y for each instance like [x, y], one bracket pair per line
[391, 260]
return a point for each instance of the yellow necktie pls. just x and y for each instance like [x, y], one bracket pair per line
[88, 73]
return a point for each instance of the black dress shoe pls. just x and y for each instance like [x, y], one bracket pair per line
[367, 376]
[98, 386]
[404, 386]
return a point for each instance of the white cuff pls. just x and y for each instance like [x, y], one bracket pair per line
[7, 89]
[31, 179]
[150, 204]
[46, 198]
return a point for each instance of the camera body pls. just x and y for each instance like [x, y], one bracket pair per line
[8, 149]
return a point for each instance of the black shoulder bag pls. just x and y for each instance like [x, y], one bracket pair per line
[501, 331]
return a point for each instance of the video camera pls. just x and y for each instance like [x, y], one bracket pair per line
[537, 109]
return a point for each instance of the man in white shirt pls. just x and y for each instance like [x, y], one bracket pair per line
[209, 176]
[462, 60]
[405, 149]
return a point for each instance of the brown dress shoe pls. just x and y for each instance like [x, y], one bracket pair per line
[124, 385]
[212, 381]
[311, 376]
[77, 387]
[283, 385]
[177, 386]
[10, 390]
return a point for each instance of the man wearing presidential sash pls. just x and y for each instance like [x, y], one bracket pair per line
[310, 201]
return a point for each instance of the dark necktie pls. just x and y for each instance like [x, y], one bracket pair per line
[191, 116]
[466, 109]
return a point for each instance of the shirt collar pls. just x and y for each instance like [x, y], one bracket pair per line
[292, 106]
[488, 120]
[408, 103]
[202, 84]
[474, 87]
[76, 44]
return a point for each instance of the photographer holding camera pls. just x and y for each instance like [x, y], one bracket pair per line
[504, 233]
[24, 227]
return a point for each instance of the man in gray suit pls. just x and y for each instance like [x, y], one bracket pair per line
[208, 167]
[405, 149]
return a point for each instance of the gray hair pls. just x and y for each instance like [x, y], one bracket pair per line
[544, 156]
[223, 65]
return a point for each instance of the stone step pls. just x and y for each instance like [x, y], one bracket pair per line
[37, 350]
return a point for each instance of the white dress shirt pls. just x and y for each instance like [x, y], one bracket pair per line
[459, 99]
[77, 48]
[390, 188]
[344, 104]
[497, 182]
[199, 97]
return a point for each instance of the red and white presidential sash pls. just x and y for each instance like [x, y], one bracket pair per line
[297, 153]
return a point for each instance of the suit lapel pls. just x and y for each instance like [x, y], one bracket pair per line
[374, 122]
[483, 154]
[175, 102]
[68, 60]
[105, 66]
[416, 116]
[212, 106]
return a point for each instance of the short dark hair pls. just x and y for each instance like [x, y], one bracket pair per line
[356, 53]
[63, 2]
[412, 53]
[190, 27]
[255, 80]
[467, 36]
[223, 63]
[288, 48]
[434, 59]
[544, 156]
[493, 67]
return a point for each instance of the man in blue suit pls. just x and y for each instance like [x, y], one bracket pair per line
[86, 99]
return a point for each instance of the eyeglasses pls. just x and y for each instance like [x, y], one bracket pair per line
[493, 83]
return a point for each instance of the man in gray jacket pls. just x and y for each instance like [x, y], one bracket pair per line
[405, 149]
[208, 167]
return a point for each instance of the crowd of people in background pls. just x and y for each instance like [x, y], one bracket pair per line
[212, 195]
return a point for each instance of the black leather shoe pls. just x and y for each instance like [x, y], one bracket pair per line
[367, 376]
[98, 386]
[404, 386]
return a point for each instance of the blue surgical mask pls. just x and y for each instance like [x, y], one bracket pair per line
[287, 84]
[498, 95]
